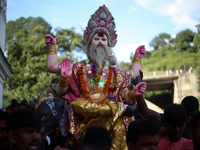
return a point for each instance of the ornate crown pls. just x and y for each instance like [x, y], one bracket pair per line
[101, 21]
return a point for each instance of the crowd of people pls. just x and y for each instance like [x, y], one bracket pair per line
[177, 129]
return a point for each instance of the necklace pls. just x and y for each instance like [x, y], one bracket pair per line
[99, 84]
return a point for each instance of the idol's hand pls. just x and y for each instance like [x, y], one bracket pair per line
[66, 68]
[140, 88]
[50, 40]
[140, 51]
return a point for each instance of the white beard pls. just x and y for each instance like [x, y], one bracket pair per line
[99, 55]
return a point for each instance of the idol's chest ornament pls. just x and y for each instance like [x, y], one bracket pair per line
[98, 84]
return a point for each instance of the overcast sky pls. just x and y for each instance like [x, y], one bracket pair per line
[137, 21]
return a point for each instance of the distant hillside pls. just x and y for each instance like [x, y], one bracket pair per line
[168, 58]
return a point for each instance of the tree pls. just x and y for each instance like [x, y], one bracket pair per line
[184, 39]
[124, 66]
[196, 41]
[27, 54]
[67, 40]
[161, 41]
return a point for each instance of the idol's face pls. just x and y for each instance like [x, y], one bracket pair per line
[100, 38]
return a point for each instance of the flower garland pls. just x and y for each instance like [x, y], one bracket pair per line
[108, 83]
[83, 85]
[82, 82]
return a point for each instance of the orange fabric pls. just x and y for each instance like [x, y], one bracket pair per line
[183, 144]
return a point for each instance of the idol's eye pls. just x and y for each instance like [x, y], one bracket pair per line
[103, 39]
[96, 38]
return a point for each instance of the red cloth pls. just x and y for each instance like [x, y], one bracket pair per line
[9, 107]
[182, 144]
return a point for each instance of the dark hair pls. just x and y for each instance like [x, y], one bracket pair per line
[193, 121]
[175, 114]
[22, 118]
[13, 101]
[96, 137]
[190, 103]
[138, 116]
[149, 125]
[3, 115]
[14, 105]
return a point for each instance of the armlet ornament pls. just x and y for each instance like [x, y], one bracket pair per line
[130, 95]
[52, 50]
[63, 83]
[137, 59]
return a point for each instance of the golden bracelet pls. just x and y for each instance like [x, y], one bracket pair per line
[130, 95]
[63, 83]
[52, 50]
[137, 59]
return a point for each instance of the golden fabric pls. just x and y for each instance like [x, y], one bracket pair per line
[89, 114]
[109, 115]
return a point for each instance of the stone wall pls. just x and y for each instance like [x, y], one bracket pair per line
[185, 85]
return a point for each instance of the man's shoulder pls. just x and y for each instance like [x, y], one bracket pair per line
[186, 144]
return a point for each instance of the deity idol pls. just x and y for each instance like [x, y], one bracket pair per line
[96, 90]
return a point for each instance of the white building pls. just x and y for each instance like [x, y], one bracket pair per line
[5, 69]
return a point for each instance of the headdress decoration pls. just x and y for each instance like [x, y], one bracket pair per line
[101, 21]
[49, 90]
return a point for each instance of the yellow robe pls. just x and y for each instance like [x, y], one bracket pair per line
[109, 115]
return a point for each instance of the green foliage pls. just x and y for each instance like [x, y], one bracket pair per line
[67, 40]
[198, 77]
[124, 66]
[169, 59]
[196, 41]
[161, 41]
[27, 54]
[184, 39]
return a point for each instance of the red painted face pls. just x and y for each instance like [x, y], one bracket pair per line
[4, 142]
[27, 138]
[99, 38]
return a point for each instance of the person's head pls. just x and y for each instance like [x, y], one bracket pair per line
[99, 52]
[191, 103]
[143, 134]
[13, 101]
[24, 101]
[14, 106]
[175, 121]
[4, 142]
[96, 138]
[195, 130]
[99, 36]
[23, 127]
